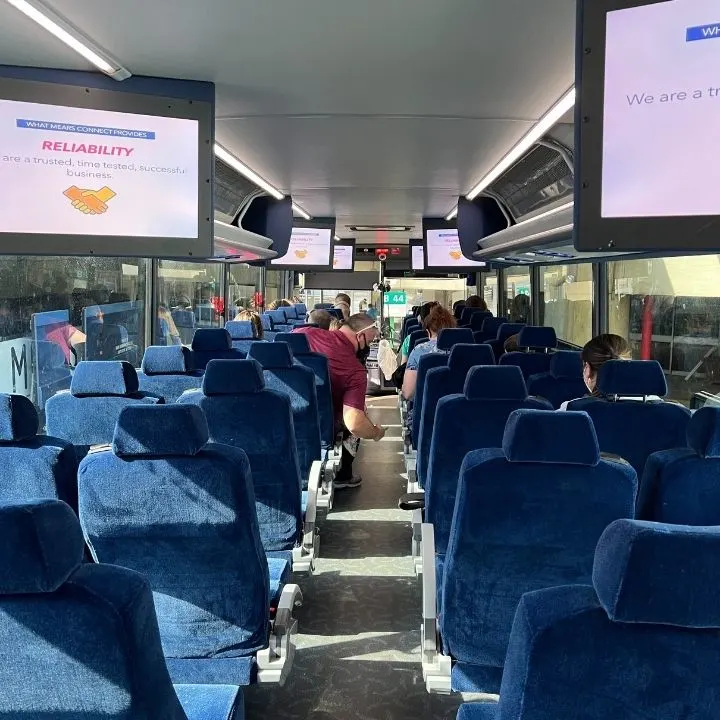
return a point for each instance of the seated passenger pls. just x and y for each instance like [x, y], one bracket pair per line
[322, 318]
[422, 313]
[438, 319]
[475, 301]
[458, 307]
[277, 304]
[595, 354]
[344, 308]
[511, 344]
[254, 318]
[343, 298]
[519, 311]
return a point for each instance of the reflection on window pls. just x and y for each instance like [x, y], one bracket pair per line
[244, 286]
[517, 289]
[57, 311]
[669, 309]
[567, 298]
[273, 285]
[490, 291]
[189, 296]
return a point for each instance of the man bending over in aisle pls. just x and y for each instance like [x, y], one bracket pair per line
[347, 350]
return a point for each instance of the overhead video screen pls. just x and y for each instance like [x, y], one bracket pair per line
[344, 256]
[417, 257]
[309, 247]
[442, 250]
[649, 109]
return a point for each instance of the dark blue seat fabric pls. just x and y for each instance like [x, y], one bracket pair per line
[505, 331]
[34, 466]
[640, 644]
[279, 320]
[472, 420]
[449, 337]
[301, 311]
[527, 516]
[416, 337]
[425, 364]
[318, 363]
[682, 486]
[80, 640]
[626, 424]
[243, 413]
[185, 323]
[440, 382]
[477, 321]
[408, 322]
[86, 415]
[489, 329]
[213, 344]
[268, 327]
[468, 315]
[283, 374]
[532, 362]
[168, 504]
[242, 334]
[167, 372]
[563, 382]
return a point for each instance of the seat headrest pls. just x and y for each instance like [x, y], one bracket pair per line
[160, 431]
[166, 360]
[277, 316]
[507, 330]
[298, 342]
[241, 330]
[566, 364]
[491, 325]
[464, 356]
[469, 313]
[449, 337]
[290, 313]
[660, 574]
[272, 355]
[300, 310]
[533, 336]
[211, 340]
[18, 418]
[233, 377]
[478, 320]
[542, 436]
[267, 322]
[703, 433]
[632, 378]
[495, 382]
[42, 546]
[104, 377]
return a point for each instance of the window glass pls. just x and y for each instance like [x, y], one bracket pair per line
[244, 286]
[489, 291]
[273, 286]
[517, 292]
[57, 311]
[189, 296]
[669, 310]
[567, 298]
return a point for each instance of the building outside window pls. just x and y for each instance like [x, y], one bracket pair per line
[567, 301]
[517, 292]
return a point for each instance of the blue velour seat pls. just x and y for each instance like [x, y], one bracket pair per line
[417, 337]
[168, 504]
[86, 414]
[268, 327]
[213, 344]
[185, 323]
[682, 486]
[425, 364]
[477, 321]
[279, 319]
[563, 382]
[629, 424]
[488, 329]
[538, 342]
[449, 337]
[641, 643]
[505, 330]
[409, 322]
[80, 640]
[527, 516]
[167, 372]
[473, 420]
[443, 381]
[242, 334]
[34, 466]
[469, 314]
[285, 375]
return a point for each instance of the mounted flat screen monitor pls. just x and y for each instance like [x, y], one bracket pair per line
[344, 256]
[442, 252]
[417, 255]
[647, 115]
[88, 171]
[309, 249]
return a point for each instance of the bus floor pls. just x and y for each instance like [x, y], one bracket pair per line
[358, 655]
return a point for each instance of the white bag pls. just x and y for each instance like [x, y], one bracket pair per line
[387, 360]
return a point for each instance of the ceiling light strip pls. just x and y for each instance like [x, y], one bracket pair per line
[239, 166]
[302, 213]
[71, 36]
[541, 127]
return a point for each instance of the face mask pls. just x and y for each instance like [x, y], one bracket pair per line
[363, 353]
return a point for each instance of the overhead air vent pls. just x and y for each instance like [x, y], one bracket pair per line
[232, 190]
[380, 228]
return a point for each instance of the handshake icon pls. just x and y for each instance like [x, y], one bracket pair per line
[90, 202]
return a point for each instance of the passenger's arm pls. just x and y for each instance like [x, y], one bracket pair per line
[409, 384]
[360, 425]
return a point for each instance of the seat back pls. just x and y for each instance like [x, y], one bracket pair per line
[99, 391]
[527, 516]
[301, 311]
[163, 501]
[425, 364]
[242, 334]
[408, 322]
[626, 423]
[468, 314]
[472, 420]
[449, 337]
[318, 363]
[563, 382]
[504, 331]
[638, 621]
[212, 344]
[283, 374]
[167, 372]
[78, 640]
[438, 383]
[538, 341]
[268, 327]
[416, 337]
[488, 329]
[477, 321]
[681, 486]
[233, 392]
[34, 466]
[279, 319]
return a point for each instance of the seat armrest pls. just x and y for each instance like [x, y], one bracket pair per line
[314, 480]
[210, 702]
[412, 501]
[275, 661]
